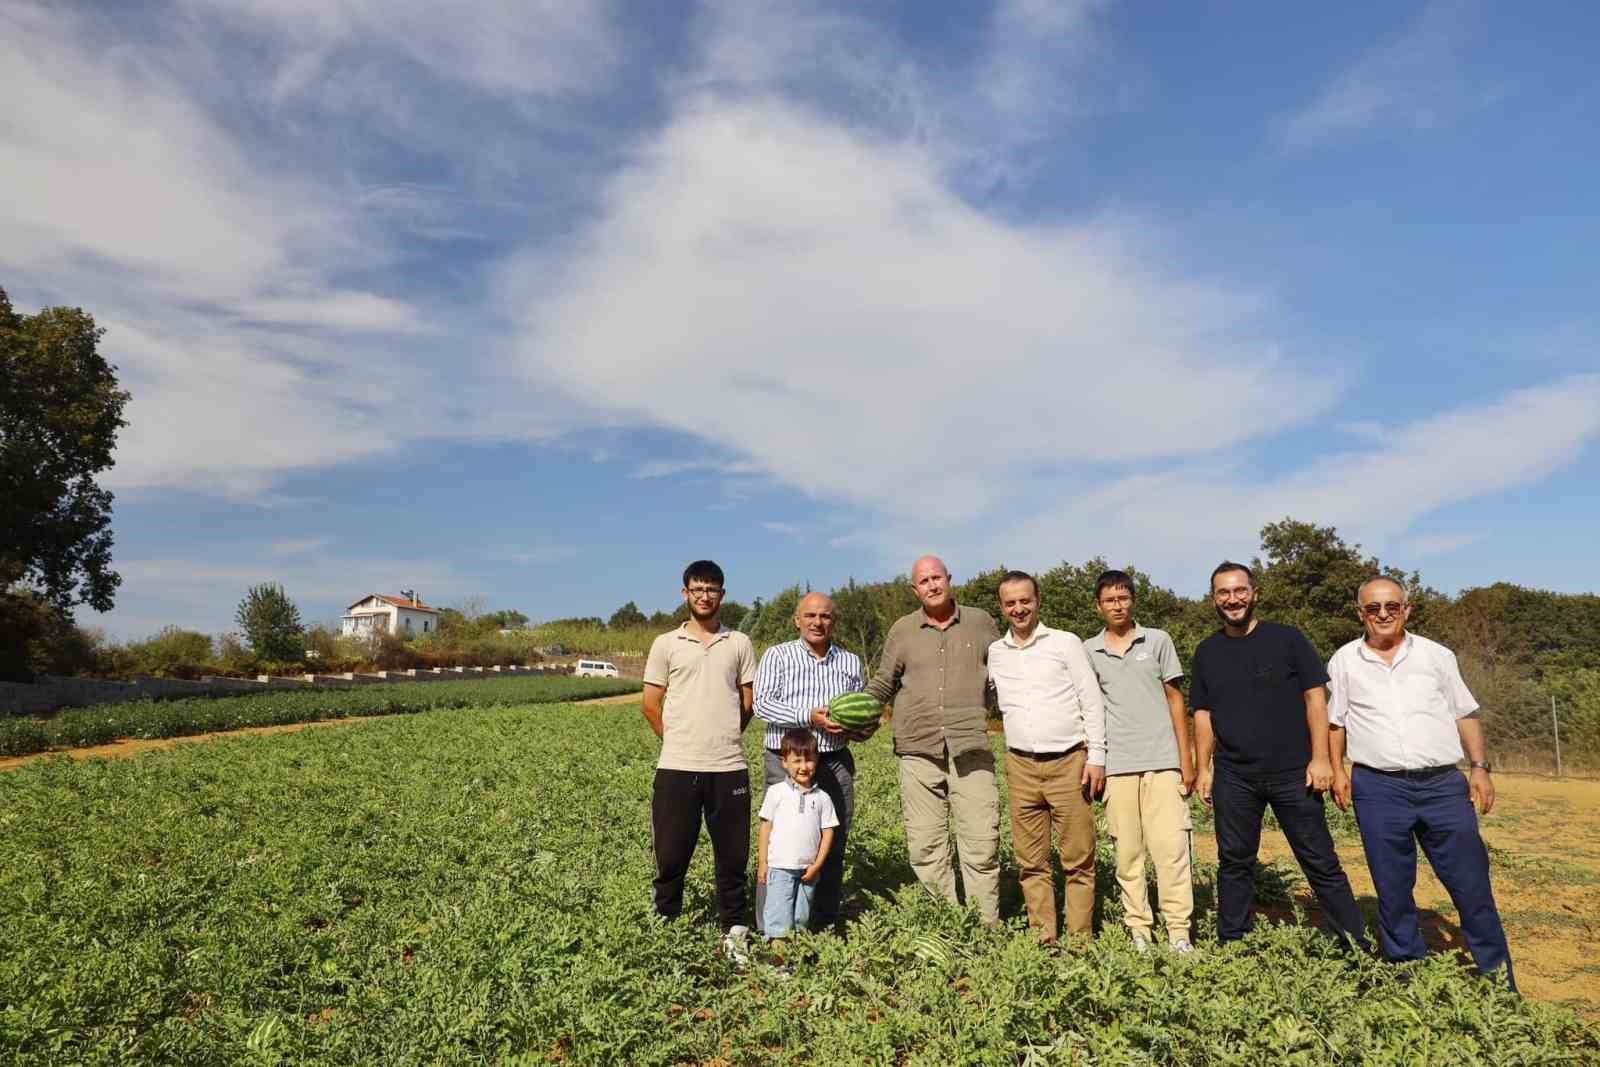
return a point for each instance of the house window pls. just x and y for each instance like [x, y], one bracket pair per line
[408, 624]
[424, 625]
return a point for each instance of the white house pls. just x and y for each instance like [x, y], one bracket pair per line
[380, 613]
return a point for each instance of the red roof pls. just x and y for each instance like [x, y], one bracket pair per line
[399, 602]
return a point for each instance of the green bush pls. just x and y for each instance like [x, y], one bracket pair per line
[173, 653]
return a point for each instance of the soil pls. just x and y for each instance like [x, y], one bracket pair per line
[1544, 842]
[128, 748]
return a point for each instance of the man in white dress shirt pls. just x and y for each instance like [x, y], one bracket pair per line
[1401, 709]
[1055, 726]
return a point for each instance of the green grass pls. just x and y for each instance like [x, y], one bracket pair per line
[147, 719]
[474, 888]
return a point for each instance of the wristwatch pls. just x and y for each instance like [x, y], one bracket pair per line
[1480, 764]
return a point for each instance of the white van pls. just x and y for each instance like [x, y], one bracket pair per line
[595, 668]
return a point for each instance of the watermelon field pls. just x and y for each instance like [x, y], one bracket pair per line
[472, 886]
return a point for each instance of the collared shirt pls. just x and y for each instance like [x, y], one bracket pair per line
[701, 711]
[791, 680]
[1048, 693]
[938, 681]
[1399, 716]
[1139, 735]
[798, 817]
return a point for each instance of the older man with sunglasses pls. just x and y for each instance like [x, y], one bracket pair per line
[1401, 708]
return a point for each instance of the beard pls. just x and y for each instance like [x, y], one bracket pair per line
[1249, 613]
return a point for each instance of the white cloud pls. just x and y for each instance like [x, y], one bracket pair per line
[788, 529]
[1181, 520]
[502, 46]
[206, 231]
[298, 546]
[1414, 82]
[1427, 545]
[817, 300]
[669, 468]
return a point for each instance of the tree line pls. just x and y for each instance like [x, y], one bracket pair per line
[1518, 647]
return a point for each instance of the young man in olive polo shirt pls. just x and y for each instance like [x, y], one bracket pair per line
[935, 671]
[698, 690]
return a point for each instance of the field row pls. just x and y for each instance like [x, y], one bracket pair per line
[476, 888]
[146, 720]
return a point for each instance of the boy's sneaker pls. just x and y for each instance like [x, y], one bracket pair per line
[1140, 945]
[736, 946]
[1181, 947]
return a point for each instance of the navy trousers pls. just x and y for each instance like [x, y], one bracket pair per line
[1239, 801]
[1395, 813]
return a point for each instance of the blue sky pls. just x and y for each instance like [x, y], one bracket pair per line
[528, 304]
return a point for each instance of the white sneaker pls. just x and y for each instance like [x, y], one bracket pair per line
[736, 946]
[1140, 945]
[1181, 946]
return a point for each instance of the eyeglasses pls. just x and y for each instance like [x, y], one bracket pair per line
[1375, 611]
[1116, 601]
[1232, 594]
[705, 592]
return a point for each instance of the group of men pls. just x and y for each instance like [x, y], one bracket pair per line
[1086, 719]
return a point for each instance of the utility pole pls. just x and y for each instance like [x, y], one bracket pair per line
[1555, 727]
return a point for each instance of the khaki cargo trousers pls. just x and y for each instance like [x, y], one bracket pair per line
[1047, 793]
[962, 788]
[1147, 813]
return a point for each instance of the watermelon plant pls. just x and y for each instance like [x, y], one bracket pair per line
[180, 718]
[475, 888]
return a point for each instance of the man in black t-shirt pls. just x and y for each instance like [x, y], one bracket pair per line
[1261, 710]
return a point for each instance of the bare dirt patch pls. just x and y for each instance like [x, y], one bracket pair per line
[128, 748]
[1544, 845]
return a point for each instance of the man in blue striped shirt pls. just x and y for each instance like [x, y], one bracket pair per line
[794, 683]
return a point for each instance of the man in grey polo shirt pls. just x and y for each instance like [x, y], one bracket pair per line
[935, 671]
[698, 690]
[1150, 766]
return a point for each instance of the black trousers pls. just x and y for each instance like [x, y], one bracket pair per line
[1240, 800]
[836, 776]
[678, 803]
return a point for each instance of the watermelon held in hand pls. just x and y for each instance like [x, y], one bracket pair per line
[854, 711]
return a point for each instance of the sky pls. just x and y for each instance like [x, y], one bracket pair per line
[526, 304]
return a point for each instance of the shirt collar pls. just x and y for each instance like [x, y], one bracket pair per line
[1098, 641]
[955, 620]
[684, 634]
[1365, 651]
[1040, 631]
[805, 650]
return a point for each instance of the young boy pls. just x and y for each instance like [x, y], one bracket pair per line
[797, 821]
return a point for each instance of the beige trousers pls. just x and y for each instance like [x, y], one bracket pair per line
[1146, 812]
[1046, 794]
[931, 793]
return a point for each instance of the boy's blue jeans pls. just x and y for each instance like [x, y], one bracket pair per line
[788, 901]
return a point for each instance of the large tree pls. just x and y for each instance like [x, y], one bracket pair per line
[60, 410]
[271, 623]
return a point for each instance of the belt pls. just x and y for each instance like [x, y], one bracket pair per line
[1044, 755]
[1416, 772]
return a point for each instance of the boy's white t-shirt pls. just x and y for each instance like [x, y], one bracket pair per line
[798, 818]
